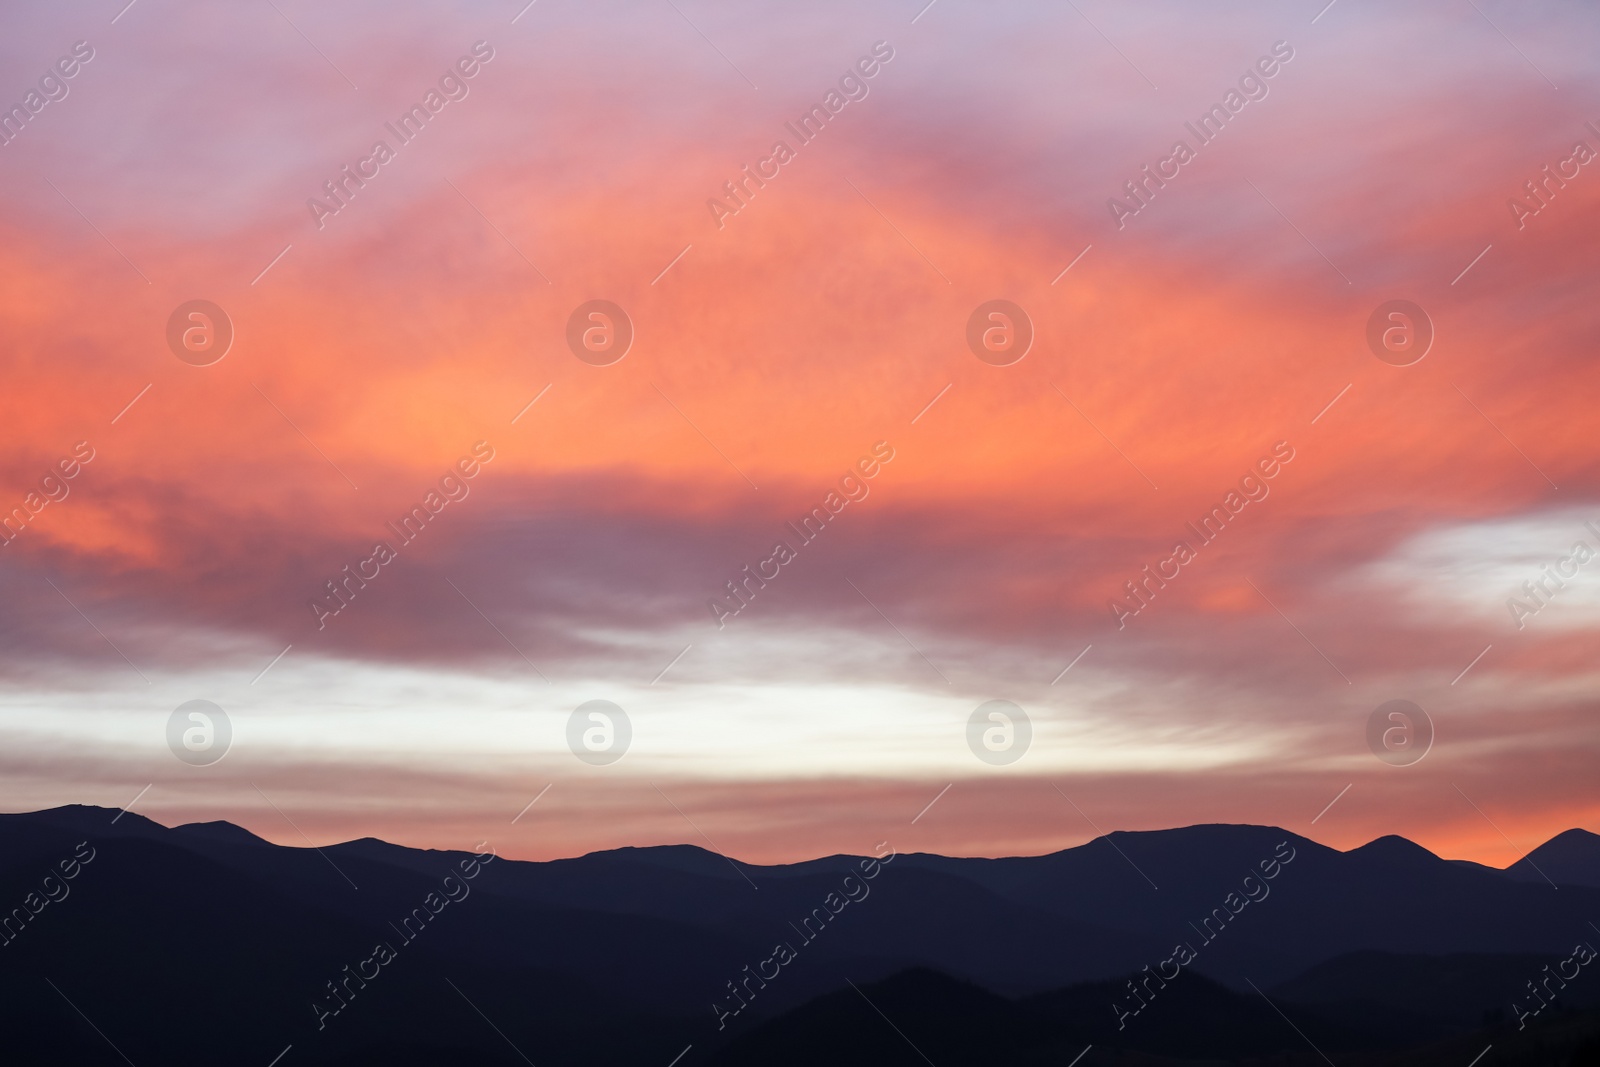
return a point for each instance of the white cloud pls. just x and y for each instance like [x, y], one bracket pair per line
[1473, 569]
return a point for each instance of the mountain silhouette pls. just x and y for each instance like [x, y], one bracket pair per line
[204, 942]
[1572, 857]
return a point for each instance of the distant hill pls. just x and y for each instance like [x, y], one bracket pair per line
[204, 943]
[1572, 857]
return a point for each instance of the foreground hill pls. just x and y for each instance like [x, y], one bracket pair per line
[921, 1017]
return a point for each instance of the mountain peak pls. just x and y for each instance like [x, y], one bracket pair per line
[221, 831]
[92, 818]
[1393, 845]
[1575, 837]
[1572, 857]
[679, 857]
[1395, 852]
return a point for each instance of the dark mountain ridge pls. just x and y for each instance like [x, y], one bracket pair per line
[204, 941]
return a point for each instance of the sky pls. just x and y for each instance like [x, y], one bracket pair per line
[1181, 344]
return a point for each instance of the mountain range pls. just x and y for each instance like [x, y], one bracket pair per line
[203, 943]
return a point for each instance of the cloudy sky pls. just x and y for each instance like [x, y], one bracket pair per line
[774, 348]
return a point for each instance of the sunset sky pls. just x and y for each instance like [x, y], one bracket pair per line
[773, 349]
